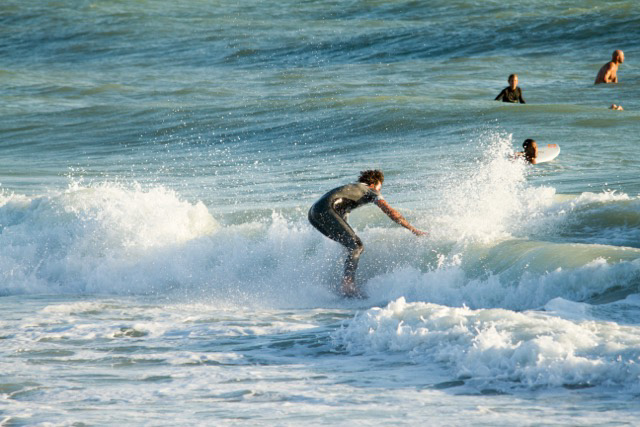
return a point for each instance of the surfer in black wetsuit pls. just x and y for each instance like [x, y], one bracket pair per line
[511, 93]
[329, 215]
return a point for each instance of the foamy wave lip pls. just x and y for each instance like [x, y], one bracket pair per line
[112, 240]
[64, 242]
[490, 199]
[499, 347]
[608, 217]
[73, 308]
[10, 197]
[605, 196]
[139, 218]
[521, 287]
[586, 200]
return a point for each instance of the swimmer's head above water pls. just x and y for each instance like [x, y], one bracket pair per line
[617, 56]
[530, 150]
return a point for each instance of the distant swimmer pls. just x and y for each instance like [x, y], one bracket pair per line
[329, 216]
[511, 93]
[530, 152]
[616, 107]
[609, 71]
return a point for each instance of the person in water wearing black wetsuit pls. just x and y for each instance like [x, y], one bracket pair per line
[511, 93]
[329, 216]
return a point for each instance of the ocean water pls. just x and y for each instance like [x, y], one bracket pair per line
[158, 160]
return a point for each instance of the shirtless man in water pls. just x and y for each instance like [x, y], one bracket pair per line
[329, 216]
[608, 72]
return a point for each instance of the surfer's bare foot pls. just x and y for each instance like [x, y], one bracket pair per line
[356, 294]
[350, 290]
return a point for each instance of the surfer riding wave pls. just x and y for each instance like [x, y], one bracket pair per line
[329, 216]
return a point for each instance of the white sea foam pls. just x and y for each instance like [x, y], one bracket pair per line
[109, 239]
[501, 348]
[491, 199]
[80, 239]
[515, 289]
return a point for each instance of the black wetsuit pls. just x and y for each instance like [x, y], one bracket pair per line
[329, 215]
[508, 95]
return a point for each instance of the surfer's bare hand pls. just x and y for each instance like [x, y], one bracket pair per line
[418, 232]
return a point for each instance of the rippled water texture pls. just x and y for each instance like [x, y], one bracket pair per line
[158, 160]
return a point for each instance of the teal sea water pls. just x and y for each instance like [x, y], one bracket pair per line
[158, 159]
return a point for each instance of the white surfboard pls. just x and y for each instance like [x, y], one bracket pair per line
[547, 152]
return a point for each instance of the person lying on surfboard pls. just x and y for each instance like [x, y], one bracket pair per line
[329, 216]
[530, 152]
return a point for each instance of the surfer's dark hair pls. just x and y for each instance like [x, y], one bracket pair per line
[511, 76]
[371, 177]
[527, 142]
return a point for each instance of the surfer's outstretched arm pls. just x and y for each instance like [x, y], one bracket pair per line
[397, 217]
